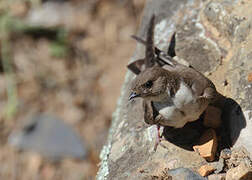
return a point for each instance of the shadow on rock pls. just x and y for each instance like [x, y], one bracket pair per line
[233, 121]
[187, 136]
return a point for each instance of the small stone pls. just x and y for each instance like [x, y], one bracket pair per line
[240, 152]
[212, 117]
[225, 153]
[250, 77]
[164, 176]
[205, 170]
[217, 176]
[184, 174]
[207, 145]
[238, 155]
[49, 136]
[241, 172]
[218, 166]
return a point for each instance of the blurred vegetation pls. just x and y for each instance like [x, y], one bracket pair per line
[10, 25]
[6, 24]
[67, 69]
[59, 46]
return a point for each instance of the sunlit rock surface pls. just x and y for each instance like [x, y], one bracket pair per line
[215, 38]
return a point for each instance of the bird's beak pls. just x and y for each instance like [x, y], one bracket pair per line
[133, 95]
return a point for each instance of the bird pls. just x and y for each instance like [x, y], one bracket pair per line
[173, 94]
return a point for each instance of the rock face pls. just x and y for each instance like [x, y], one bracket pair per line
[214, 37]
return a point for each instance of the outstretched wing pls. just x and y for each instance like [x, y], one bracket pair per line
[149, 51]
[137, 66]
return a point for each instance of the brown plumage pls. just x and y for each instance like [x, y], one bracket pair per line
[173, 94]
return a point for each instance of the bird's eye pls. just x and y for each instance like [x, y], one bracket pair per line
[148, 84]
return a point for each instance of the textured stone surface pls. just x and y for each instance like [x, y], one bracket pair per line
[238, 156]
[241, 172]
[214, 36]
[218, 165]
[184, 174]
[225, 153]
[218, 13]
[241, 89]
[205, 170]
[217, 176]
[193, 46]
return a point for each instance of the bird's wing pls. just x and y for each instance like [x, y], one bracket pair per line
[137, 66]
[150, 113]
[200, 85]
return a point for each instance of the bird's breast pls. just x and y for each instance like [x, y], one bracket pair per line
[181, 108]
[183, 96]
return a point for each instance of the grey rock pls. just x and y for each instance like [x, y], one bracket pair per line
[218, 13]
[225, 153]
[218, 166]
[237, 110]
[53, 14]
[129, 151]
[241, 116]
[50, 137]
[196, 48]
[184, 174]
[239, 155]
[130, 144]
[242, 172]
[221, 176]
[243, 30]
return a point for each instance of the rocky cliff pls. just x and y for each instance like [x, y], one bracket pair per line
[215, 37]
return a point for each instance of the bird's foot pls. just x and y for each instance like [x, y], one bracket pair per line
[156, 144]
[158, 139]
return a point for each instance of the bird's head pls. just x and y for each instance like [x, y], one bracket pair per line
[150, 84]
